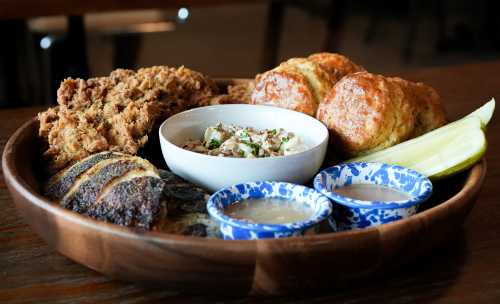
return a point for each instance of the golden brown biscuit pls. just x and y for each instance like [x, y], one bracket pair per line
[297, 84]
[318, 78]
[431, 113]
[335, 64]
[366, 112]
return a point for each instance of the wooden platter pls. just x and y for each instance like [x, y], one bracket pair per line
[262, 267]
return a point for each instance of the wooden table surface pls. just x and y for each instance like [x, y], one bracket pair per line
[464, 270]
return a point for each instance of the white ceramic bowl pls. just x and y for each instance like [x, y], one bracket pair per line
[214, 173]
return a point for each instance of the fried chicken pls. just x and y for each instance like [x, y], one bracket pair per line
[117, 112]
[240, 93]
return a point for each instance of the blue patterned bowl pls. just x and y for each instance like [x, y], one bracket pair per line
[351, 213]
[236, 229]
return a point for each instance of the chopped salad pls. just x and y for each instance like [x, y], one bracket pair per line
[245, 142]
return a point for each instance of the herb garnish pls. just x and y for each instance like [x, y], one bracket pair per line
[214, 144]
[244, 133]
[255, 147]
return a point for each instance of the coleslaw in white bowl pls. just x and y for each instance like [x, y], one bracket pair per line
[214, 172]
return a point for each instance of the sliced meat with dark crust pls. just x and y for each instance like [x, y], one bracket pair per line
[129, 191]
[87, 191]
[60, 183]
[136, 202]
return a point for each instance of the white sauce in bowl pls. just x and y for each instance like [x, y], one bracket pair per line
[370, 192]
[269, 211]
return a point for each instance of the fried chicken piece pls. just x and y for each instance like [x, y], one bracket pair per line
[240, 93]
[366, 112]
[335, 64]
[298, 84]
[117, 112]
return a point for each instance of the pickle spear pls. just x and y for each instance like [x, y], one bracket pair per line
[444, 151]
[485, 112]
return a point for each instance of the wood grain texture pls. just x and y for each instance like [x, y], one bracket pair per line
[465, 269]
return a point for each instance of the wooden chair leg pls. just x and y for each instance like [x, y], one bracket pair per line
[335, 24]
[76, 46]
[440, 17]
[17, 79]
[373, 22]
[65, 56]
[490, 25]
[126, 50]
[273, 34]
[411, 34]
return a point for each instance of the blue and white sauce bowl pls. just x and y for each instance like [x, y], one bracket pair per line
[238, 229]
[349, 213]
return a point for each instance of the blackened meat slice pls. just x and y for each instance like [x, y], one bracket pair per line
[60, 184]
[87, 192]
[187, 212]
[129, 191]
[135, 202]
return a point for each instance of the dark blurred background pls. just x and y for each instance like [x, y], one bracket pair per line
[43, 42]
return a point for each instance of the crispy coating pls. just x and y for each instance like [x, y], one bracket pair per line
[366, 112]
[298, 84]
[240, 93]
[117, 112]
[335, 64]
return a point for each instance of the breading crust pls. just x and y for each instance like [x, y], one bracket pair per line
[116, 113]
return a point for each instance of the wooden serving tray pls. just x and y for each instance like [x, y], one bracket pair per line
[261, 267]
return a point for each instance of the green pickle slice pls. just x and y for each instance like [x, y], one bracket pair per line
[439, 153]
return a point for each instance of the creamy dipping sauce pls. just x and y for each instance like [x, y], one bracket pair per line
[370, 192]
[269, 211]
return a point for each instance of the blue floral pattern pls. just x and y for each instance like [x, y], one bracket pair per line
[350, 213]
[235, 229]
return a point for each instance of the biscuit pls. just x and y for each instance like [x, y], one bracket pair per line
[335, 64]
[297, 84]
[366, 112]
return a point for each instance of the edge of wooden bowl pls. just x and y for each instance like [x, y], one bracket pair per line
[269, 267]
